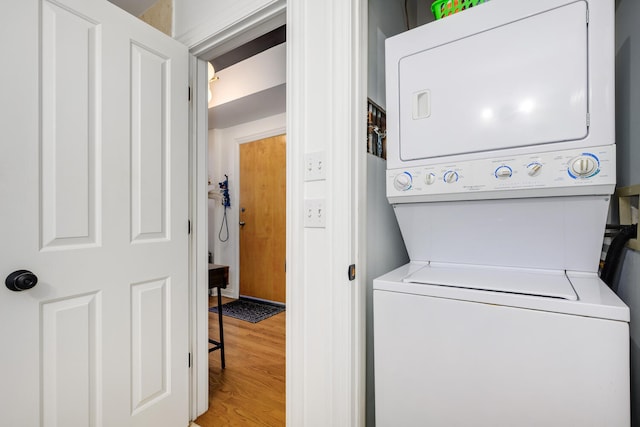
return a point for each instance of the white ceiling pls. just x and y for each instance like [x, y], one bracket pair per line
[249, 108]
[134, 7]
[250, 90]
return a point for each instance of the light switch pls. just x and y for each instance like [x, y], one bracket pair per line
[314, 213]
[315, 168]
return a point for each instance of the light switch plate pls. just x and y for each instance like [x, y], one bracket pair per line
[314, 213]
[315, 166]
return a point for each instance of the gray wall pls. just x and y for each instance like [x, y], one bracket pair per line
[385, 251]
[628, 146]
[386, 19]
[385, 248]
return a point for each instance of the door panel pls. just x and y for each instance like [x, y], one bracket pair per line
[149, 326]
[96, 166]
[263, 212]
[70, 149]
[149, 119]
[70, 370]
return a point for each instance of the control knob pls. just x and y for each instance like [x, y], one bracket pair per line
[450, 177]
[503, 172]
[403, 181]
[583, 166]
[430, 178]
[533, 169]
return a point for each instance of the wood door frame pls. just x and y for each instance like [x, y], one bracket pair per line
[343, 81]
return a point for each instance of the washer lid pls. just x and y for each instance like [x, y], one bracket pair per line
[543, 283]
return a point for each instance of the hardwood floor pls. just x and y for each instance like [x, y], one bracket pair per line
[250, 391]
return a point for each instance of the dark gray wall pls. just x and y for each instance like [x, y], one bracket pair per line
[386, 19]
[628, 161]
[385, 248]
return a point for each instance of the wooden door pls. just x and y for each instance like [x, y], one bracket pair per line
[95, 187]
[263, 218]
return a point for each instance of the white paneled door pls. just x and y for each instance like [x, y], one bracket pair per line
[93, 182]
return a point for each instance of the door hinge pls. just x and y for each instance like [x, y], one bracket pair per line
[189, 93]
[352, 272]
[189, 231]
[189, 359]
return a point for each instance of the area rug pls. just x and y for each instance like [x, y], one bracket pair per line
[249, 310]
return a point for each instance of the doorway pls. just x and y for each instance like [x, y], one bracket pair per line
[246, 148]
[263, 219]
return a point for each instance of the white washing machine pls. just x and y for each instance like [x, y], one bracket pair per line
[480, 346]
[501, 163]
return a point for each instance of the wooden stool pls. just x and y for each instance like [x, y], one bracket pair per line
[218, 279]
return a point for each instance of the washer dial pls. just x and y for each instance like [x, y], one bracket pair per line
[534, 169]
[503, 172]
[450, 177]
[584, 166]
[403, 181]
[430, 178]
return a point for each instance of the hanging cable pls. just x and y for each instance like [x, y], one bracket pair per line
[224, 225]
[406, 14]
[614, 254]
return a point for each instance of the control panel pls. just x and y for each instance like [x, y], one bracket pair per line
[542, 171]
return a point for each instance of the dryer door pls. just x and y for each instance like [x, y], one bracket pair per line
[519, 84]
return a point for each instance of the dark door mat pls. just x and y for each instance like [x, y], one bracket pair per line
[249, 310]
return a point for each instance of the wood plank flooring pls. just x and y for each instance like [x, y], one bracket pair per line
[250, 391]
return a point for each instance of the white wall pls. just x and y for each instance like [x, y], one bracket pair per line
[249, 90]
[628, 159]
[260, 72]
[224, 159]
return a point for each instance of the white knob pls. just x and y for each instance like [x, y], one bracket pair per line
[430, 178]
[450, 177]
[583, 165]
[503, 172]
[534, 169]
[402, 182]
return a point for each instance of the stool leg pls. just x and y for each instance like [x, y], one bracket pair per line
[221, 330]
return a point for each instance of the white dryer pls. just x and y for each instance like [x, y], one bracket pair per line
[501, 163]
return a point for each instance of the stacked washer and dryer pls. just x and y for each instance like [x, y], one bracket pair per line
[501, 165]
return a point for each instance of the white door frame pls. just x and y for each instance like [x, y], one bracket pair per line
[218, 42]
[326, 111]
[324, 387]
[199, 271]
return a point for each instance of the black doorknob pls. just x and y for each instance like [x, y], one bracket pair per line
[21, 280]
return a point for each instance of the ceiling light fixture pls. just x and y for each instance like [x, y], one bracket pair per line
[211, 76]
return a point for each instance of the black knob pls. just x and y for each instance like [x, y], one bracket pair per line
[21, 280]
